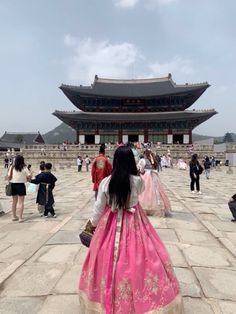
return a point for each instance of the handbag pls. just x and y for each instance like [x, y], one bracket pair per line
[200, 169]
[8, 187]
[31, 188]
[87, 234]
[85, 238]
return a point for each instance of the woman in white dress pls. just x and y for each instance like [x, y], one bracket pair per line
[154, 199]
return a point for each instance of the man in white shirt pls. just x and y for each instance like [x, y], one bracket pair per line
[87, 162]
[79, 163]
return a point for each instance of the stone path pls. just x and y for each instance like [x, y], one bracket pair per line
[40, 260]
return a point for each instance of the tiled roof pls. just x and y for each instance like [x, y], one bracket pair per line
[147, 116]
[22, 138]
[133, 88]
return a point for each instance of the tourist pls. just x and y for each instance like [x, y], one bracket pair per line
[11, 159]
[195, 169]
[213, 162]
[101, 168]
[232, 207]
[181, 164]
[18, 175]
[87, 162]
[207, 167]
[127, 268]
[164, 161]
[79, 163]
[158, 162]
[46, 181]
[154, 199]
[6, 162]
[1, 210]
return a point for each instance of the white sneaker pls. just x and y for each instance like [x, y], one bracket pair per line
[193, 192]
[55, 216]
[199, 192]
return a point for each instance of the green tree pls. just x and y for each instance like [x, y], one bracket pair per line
[228, 138]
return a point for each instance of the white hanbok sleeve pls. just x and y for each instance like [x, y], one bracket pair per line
[141, 165]
[100, 204]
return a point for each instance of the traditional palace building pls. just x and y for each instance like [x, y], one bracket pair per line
[139, 110]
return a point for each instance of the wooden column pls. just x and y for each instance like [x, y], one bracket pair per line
[145, 135]
[120, 133]
[77, 136]
[190, 136]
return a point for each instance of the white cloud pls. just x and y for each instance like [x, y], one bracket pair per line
[162, 2]
[132, 3]
[69, 40]
[175, 66]
[120, 60]
[100, 57]
[126, 3]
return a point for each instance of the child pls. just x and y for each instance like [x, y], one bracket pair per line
[41, 208]
[46, 181]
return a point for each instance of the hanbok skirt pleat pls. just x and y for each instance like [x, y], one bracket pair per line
[127, 269]
[154, 199]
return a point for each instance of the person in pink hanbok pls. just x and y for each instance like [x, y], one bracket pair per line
[127, 269]
[153, 199]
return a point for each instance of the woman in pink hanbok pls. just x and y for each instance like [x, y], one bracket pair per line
[127, 269]
[153, 199]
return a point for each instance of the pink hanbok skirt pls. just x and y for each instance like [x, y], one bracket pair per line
[154, 199]
[127, 269]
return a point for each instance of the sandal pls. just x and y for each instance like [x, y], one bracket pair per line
[15, 218]
[21, 220]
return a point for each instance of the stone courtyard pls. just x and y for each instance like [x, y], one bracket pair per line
[40, 259]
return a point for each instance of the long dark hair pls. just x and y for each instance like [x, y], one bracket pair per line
[149, 155]
[194, 159]
[19, 163]
[123, 166]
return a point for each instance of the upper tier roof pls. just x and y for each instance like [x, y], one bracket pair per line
[133, 88]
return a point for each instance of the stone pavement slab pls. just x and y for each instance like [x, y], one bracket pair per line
[227, 307]
[69, 281]
[197, 306]
[21, 305]
[176, 256]
[207, 256]
[217, 283]
[35, 280]
[188, 282]
[53, 254]
[61, 304]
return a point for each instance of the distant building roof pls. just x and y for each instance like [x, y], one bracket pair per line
[22, 138]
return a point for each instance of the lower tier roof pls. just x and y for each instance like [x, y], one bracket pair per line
[191, 117]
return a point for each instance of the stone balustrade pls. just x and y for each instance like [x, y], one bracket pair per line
[58, 156]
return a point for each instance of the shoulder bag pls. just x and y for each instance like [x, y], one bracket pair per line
[8, 187]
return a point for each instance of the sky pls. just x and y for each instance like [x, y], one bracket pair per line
[46, 43]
